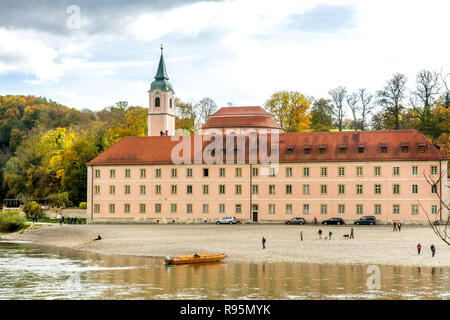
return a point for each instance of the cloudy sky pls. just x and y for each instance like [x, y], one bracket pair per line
[91, 54]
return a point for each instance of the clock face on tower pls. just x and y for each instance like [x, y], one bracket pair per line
[157, 92]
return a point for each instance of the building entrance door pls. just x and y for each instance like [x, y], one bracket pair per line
[255, 213]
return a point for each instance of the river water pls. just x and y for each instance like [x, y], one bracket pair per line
[29, 271]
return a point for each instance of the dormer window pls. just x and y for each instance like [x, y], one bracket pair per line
[360, 149]
[404, 147]
[157, 102]
[383, 148]
[322, 149]
[307, 149]
[342, 149]
[421, 147]
[290, 150]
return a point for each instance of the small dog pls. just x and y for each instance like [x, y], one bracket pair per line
[346, 236]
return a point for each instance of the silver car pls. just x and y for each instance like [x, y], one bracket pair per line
[226, 220]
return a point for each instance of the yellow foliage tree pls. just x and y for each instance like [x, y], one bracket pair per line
[291, 110]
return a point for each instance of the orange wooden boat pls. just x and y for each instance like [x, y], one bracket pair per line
[195, 258]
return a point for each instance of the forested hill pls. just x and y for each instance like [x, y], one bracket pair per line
[44, 145]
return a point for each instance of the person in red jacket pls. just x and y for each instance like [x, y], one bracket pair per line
[419, 247]
[395, 226]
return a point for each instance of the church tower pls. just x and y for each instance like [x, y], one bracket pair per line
[161, 115]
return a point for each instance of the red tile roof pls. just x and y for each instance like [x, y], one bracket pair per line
[241, 117]
[158, 149]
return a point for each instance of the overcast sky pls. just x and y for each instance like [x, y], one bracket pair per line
[239, 51]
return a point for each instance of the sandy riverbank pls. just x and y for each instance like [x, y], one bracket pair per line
[372, 244]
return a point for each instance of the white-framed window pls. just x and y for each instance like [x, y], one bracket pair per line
[158, 173]
[174, 173]
[112, 173]
[189, 172]
[255, 172]
[377, 171]
[434, 209]
[289, 209]
[173, 208]
[112, 208]
[271, 208]
[306, 189]
[126, 208]
[306, 172]
[127, 189]
[272, 189]
[189, 208]
[323, 172]
[434, 170]
[221, 207]
[158, 189]
[142, 189]
[341, 171]
[254, 189]
[127, 173]
[238, 172]
[288, 172]
[306, 209]
[396, 189]
[359, 188]
[377, 209]
[415, 188]
[96, 208]
[271, 172]
[288, 189]
[238, 208]
[359, 209]
[378, 189]
[189, 189]
[414, 209]
[434, 188]
[97, 189]
[222, 189]
[97, 173]
[142, 208]
[173, 189]
[205, 208]
[157, 207]
[414, 170]
[396, 171]
[396, 209]
[323, 209]
[323, 189]
[205, 189]
[143, 173]
[222, 172]
[112, 189]
[238, 189]
[341, 208]
[359, 171]
[341, 188]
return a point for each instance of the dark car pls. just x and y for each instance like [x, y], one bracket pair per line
[295, 221]
[371, 220]
[333, 221]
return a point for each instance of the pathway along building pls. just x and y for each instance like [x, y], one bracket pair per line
[320, 174]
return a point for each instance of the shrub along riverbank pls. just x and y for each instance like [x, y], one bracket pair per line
[11, 221]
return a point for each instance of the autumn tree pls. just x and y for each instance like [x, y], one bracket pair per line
[291, 110]
[391, 97]
[338, 97]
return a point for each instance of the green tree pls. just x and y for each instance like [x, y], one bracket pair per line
[321, 115]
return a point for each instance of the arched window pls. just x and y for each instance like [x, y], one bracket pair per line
[170, 103]
[157, 102]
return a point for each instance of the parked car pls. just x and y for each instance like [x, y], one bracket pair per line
[295, 221]
[333, 221]
[227, 220]
[366, 220]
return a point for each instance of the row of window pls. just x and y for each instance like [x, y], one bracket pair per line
[272, 172]
[359, 189]
[360, 149]
[359, 208]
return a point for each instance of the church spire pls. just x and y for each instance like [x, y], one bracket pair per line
[161, 74]
[161, 77]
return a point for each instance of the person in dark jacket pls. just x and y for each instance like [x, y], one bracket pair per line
[419, 247]
[433, 250]
[263, 242]
[98, 238]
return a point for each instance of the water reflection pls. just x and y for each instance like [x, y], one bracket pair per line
[36, 272]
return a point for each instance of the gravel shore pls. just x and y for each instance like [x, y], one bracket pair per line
[372, 244]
